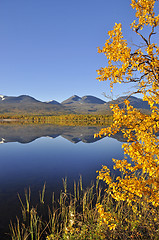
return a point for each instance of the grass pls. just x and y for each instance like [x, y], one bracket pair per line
[75, 216]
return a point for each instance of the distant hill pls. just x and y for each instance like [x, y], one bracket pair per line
[134, 101]
[91, 100]
[84, 100]
[86, 104]
[72, 100]
[53, 102]
[25, 104]
[19, 99]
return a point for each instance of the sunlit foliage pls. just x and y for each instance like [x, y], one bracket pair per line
[66, 120]
[139, 180]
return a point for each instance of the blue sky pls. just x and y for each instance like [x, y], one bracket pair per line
[48, 48]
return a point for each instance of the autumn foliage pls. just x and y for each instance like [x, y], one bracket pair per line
[139, 180]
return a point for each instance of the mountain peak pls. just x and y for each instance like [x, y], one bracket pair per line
[53, 102]
[19, 99]
[72, 99]
[91, 100]
[134, 101]
[2, 97]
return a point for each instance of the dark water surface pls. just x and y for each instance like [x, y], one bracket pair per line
[31, 155]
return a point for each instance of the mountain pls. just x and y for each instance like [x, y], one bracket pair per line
[53, 102]
[85, 105]
[72, 100]
[91, 100]
[84, 100]
[19, 99]
[25, 104]
[134, 101]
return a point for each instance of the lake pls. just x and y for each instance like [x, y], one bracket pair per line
[34, 154]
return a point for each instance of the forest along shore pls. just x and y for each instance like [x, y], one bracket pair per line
[71, 119]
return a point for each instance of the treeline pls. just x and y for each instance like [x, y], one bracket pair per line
[70, 120]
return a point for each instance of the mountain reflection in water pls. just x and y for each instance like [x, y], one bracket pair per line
[29, 133]
[29, 159]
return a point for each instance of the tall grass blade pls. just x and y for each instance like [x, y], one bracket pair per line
[42, 194]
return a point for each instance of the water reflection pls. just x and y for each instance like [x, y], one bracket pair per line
[47, 154]
[29, 133]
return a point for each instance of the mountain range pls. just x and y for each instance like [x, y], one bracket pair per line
[25, 104]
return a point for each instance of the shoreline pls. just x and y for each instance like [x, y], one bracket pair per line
[9, 120]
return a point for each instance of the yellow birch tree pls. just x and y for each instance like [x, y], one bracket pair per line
[140, 176]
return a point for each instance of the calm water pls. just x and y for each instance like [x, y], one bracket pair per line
[32, 155]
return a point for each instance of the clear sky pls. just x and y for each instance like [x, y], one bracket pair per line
[48, 48]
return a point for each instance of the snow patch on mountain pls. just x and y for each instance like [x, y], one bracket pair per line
[2, 97]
